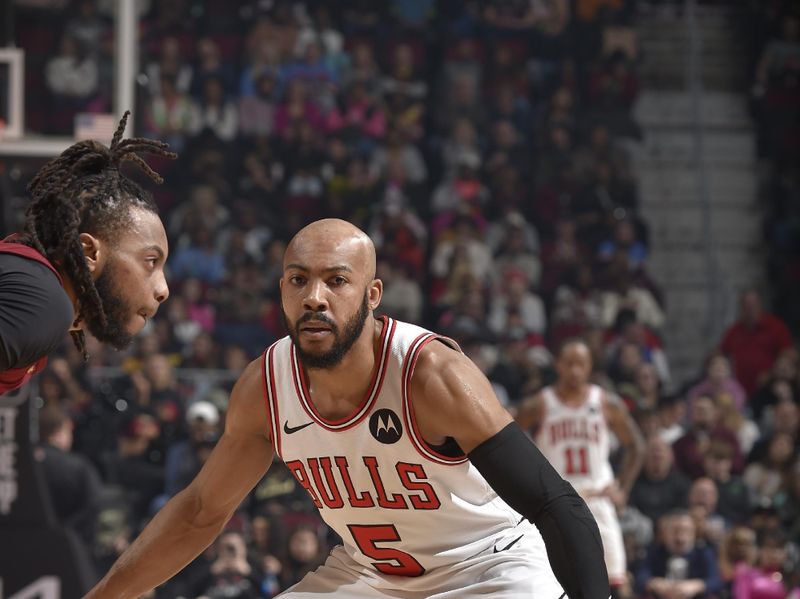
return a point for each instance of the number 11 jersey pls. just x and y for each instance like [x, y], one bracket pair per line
[575, 440]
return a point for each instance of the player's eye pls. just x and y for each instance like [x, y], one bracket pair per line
[296, 280]
[338, 281]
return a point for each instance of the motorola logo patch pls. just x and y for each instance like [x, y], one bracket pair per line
[385, 426]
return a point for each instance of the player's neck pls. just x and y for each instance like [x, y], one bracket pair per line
[69, 289]
[336, 391]
[570, 394]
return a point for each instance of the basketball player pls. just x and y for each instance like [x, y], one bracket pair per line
[91, 256]
[570, 422]
[400, 443]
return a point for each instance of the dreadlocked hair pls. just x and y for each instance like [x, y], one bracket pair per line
[83, 190]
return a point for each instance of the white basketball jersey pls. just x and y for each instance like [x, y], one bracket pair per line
[576, 440]
[399, 505]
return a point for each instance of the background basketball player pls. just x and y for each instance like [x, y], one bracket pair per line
[571, 422]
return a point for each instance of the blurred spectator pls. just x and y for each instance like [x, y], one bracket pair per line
[678, 566]
[737, 550]
[199, 259]
[754, 342]
[399, 152]
[170, 66]
[72, 481]
[405, 92]
[185, 458]
[310, 68]
[169, 113]
[359, 117]
[516, 246]
[263, 62]
[576, 305]
[305, 553]
[462, 99]
[87, 25]
[660, 487]
[734, 496]
[785, 419]
[671, 415]
[462, 140]
[257, 110]
[719, 381]
[364, 67]
[515, 299]
[72, 78]
[766, 578]
[612, 90]
[214, 111]
[464, 191]
[601, 146]
[402, 296]
[203, 207]
[295, 108]
[702, 502]
[623, 246]
[644, 390]
[704, 428]
[230, 575]
[211, 65]
[783, 384]
[624, 292]
[768, 476]
[466, 248]
[130, 466]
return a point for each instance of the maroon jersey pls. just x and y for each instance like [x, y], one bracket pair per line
[13, 378]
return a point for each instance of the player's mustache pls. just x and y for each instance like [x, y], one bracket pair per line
[315, 317]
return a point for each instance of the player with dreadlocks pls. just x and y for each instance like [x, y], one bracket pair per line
[91, 256]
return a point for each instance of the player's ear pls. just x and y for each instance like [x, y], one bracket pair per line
[375, 292]
[95, 252]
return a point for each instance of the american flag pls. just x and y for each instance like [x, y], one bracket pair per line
[95, 126]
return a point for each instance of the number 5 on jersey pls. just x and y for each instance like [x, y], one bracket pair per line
[389, 560]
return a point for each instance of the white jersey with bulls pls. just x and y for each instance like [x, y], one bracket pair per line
[575, 440]
[399, 505]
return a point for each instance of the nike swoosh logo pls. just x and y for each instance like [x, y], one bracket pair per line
[509, 546]
[293, 429]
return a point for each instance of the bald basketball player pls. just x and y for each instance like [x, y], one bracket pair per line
[399, 441]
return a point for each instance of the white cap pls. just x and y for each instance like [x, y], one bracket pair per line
[203, 410]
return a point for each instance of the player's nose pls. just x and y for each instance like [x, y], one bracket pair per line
[161, 290]
[315, 299]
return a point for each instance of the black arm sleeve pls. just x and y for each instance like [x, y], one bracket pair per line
[523, 478]
[35, 311]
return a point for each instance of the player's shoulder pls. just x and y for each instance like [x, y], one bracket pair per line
[247, 408]
[250, 383]
[439, 356]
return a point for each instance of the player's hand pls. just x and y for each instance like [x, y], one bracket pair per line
[617, 495]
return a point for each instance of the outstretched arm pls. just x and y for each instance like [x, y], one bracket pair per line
[452, 398]
[195, 516]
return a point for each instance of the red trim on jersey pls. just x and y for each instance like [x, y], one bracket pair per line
[14, 378]
[9, 246]
[266, 391]
[276, 420]
[370, 397]
[425, 450]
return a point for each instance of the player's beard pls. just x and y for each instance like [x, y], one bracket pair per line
[342, 342]
[117, 310]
